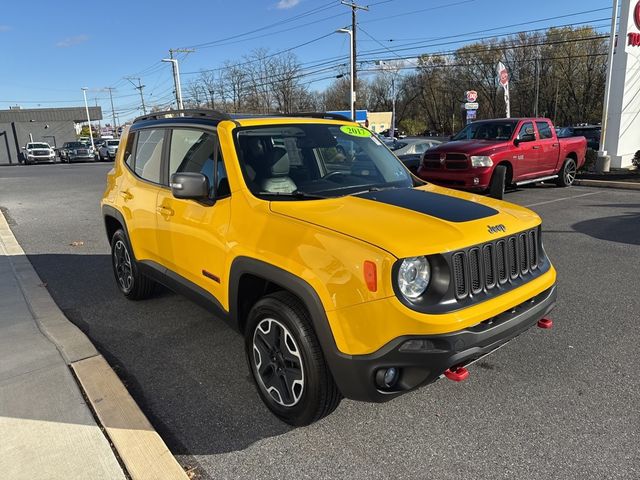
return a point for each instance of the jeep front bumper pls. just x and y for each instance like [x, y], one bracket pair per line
[421, 359]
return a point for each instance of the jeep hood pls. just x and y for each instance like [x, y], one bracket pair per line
[413, 221]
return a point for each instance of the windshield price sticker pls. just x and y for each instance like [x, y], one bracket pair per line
[355, 131]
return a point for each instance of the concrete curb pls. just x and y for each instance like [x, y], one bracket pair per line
[138, 445]
[607, 184]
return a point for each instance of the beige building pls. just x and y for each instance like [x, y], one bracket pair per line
[379, 121]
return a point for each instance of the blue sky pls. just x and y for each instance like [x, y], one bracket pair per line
[52, 49]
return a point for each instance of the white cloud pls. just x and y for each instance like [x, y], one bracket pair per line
[285, 4]
[71, 41]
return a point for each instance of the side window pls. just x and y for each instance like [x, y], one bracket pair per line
[148, 158]
[197, 151]
[544, 130]
[525, 130]
[128, 149]
[222, 180]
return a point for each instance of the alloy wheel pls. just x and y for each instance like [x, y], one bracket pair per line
[278, 362]
[122, 264]
[569, 172]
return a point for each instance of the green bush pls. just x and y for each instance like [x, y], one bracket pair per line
[636, 159]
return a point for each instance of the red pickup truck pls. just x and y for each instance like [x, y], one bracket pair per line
[492, 154]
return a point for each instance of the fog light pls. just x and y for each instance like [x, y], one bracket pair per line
[476, 180]
[387, 378]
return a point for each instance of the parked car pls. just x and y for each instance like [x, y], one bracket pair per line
[345, 274]
[108, 149]
[37, 152]
[73, 151]
[397, 133]
[492, 154]
[590, 132]
[410, 151]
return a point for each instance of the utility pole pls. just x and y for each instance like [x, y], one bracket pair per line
[99, 122]
[138, 87]
[537, 86]
[113, 111]
[354, 8]
[176, 73]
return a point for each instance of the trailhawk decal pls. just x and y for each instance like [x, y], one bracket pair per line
[451, 209]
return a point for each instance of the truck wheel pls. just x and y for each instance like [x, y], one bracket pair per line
[498, 180]
[567, 173]
[133, 284]
[286, 361]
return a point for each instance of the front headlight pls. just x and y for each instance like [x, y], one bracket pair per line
[413, 277]
[481, 161]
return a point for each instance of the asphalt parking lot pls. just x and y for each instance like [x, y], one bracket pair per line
[562, 403]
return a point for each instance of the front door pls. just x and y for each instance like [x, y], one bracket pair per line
[527, 154]
[191, 234]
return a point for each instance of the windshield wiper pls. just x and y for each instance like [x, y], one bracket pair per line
[372, 189]
[295, 194]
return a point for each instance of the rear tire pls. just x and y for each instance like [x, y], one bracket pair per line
[498, 182]
[567, 173]
[133, 284]
[286, 361]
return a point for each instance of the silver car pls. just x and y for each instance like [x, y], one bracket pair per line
[108, 149]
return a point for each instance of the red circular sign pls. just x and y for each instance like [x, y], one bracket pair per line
[636, 15]
[472, 96]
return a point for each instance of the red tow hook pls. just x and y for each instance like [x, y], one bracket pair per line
[457, 374]
[545, 323]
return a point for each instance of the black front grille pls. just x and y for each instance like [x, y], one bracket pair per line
[493, 264]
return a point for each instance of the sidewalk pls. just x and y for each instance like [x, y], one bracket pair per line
[47, 429]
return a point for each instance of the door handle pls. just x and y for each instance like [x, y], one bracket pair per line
[126, 195]
[536, 147]
[166, 211]
[554, 144]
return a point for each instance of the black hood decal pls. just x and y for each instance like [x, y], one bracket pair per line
[444, 207]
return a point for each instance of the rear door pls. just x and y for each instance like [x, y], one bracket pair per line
[139, 190]
[526, 154]
[549, 148]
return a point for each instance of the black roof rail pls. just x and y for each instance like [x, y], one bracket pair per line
[327, 115]
[195, 112]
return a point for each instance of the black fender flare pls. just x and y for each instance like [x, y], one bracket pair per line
[304, 291]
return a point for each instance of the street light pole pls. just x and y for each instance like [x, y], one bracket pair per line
[86, 106]
[352, 92]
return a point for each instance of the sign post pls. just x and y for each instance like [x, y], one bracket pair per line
[503, 78]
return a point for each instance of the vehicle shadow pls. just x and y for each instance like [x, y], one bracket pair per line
[620, 228]
[184, 367]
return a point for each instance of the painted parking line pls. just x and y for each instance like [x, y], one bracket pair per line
[563, 198]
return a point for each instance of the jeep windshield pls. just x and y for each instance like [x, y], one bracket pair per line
[38, 145]
[493, 131]
[308, 161]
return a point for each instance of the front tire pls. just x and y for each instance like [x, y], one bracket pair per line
[567, 173]
[286, 361]
[133, 284]
[498, 182]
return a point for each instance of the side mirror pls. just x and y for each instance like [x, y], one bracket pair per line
[193, 186]
[527, 137]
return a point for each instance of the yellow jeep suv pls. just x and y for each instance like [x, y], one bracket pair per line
[346, 275]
